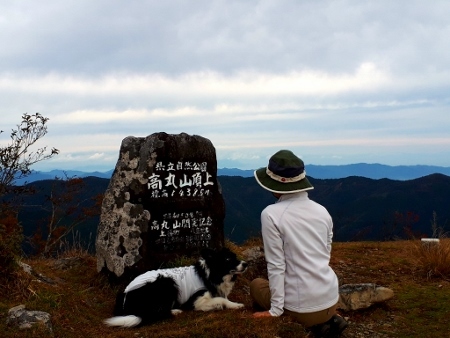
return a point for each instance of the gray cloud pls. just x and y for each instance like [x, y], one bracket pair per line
[181, 36]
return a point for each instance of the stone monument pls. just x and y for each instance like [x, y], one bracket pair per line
[163, 201]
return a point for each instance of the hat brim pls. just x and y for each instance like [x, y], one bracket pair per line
[271, 185]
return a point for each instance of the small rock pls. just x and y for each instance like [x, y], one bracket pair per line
[28, 269]
[360, 296]
[67, 263]
[25, 319]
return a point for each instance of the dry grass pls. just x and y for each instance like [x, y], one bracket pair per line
[434, 258]
[80, 299]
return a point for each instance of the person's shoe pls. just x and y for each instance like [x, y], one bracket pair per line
[330, 329]
[320, 330]
[338, 325]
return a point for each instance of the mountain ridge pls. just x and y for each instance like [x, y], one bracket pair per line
[361, 208]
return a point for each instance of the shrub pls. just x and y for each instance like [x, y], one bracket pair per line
[16, 158]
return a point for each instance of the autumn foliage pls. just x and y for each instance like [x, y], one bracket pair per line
[67, 207]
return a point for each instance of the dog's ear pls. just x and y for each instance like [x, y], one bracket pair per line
[206, 253]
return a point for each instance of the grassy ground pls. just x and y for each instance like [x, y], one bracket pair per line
[80, 299]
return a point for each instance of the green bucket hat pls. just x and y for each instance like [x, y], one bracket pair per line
[285, 174]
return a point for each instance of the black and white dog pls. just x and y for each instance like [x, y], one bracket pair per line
[158, 294]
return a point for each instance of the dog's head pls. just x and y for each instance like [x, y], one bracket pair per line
[222, 262]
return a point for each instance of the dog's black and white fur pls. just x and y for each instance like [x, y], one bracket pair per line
[145, 301]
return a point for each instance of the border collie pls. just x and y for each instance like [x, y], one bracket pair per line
[159, 294]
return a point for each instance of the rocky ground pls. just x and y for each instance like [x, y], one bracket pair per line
[78, 299]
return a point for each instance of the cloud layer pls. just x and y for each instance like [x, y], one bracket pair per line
[336, 81]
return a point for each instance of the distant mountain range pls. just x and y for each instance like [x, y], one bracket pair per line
[361, 208]
[53, 174]
[372, 171]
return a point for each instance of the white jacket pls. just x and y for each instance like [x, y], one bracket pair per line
[297, 234]
[186, 278]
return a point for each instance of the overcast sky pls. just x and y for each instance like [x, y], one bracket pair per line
[337, 82]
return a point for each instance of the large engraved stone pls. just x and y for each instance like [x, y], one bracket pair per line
[163, 200]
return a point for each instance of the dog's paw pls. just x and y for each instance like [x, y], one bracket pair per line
[236, 306]
[176, 311]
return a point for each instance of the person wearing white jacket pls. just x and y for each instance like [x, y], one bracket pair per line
[297, 234]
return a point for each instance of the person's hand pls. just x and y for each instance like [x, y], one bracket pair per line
[262, 314]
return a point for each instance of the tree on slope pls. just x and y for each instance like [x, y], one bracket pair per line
[16, 159]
